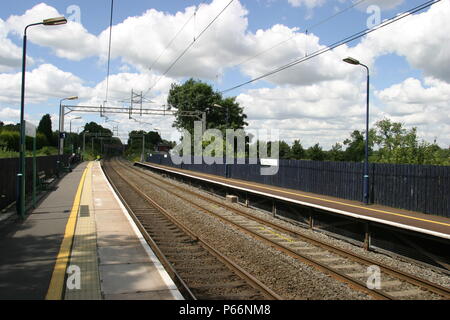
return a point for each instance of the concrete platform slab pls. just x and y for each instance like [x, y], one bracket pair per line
[150, 295]
[122, 254]
[28, 249]
[130, 278]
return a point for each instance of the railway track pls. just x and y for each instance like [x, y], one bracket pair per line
[341, 264]
[199, 271]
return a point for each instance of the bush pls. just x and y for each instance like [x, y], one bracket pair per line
[10, 140]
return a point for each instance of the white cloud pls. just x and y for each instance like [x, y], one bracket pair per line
[421, 38]
[71, 41]
[42, 83]
[140, 40]
[8, 114]
[307, 3]
[425, 105]
[382, 4]
[322, 99]
[10, 54]
[325, 112]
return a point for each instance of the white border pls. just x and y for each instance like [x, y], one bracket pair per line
[153, 258]
[354, 215]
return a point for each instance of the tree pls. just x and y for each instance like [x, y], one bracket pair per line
[94, 127]
[45, 127]
[316, 153]
[152, 138]
[297, 151]
[199, 96]
[399, 145]
[336, 153]
[284, 149]
[10, 140]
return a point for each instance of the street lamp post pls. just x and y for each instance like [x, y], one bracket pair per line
[227, 169]
[84, 140]
[366, 147]
[70, 126]
[21, 175]
[61, 132]
[70, 130]
[227, 110]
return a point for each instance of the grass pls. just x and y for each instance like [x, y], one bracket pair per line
[45, 151]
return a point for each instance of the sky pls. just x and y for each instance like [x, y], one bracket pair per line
[321, 100]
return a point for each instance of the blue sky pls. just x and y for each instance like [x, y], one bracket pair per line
[324, 98]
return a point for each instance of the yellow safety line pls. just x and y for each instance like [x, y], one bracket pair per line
[56, 287]
[327, 200]
[276, 234]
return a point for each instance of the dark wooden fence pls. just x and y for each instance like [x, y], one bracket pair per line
[412, 187]
[9, 168]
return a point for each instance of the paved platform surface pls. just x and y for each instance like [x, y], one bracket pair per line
[28, 250]
[80, 243]
[424, 223]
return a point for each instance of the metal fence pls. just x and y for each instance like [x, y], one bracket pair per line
[9, 167]
[420, 188]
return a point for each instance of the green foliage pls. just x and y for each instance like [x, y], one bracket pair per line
[47, 151]
[5, 153]
[316, 153]
[297, 151]
[336, 153]
[199, 96]
[284, 150]
[10, 140]
[399, 145]
[152, 139]
[93, 127]
[355, 150]
[45, 127]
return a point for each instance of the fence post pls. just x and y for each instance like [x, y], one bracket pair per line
[366, 236]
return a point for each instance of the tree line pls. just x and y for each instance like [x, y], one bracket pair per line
[47, 139]
[389, 141]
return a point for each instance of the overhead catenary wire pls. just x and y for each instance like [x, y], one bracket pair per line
[172, 40]
[188, 47]
[307, 29]
[337, 44]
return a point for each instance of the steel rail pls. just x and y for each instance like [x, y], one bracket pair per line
[409, 278]
[251, 280]
[412, 279]
[181, 285]
[341, 276]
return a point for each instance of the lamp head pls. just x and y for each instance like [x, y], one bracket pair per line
[351, 60]
[54, 21]
[72, 98]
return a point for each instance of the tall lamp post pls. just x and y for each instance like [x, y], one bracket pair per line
[227, 110]
[70, 130]
[61, 132]
[70, 126]
[366, 147]
[21, 175]
[227, 169]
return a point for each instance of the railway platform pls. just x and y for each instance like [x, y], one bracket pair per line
[80, 244]
[435, 226]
